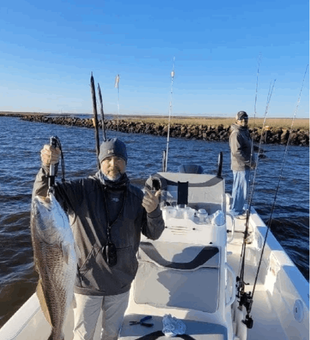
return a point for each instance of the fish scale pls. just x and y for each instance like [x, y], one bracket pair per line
[55, 261]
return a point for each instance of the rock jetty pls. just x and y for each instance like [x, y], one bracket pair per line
[203, 132]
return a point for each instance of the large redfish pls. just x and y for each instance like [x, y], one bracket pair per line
[55, 260]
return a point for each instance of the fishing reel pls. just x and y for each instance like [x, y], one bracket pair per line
[248, 321]
[55, 142]
[246, 300]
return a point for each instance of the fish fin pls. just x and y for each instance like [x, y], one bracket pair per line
[73, 302]
[65, 252]
[36, 267]
[43, 304]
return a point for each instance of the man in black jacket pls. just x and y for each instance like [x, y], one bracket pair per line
[107, 215]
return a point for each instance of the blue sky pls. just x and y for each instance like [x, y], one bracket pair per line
[48, 50]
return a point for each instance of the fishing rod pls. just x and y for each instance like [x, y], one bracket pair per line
[95, 119]
[250, 197]
[116, 85]
[256, 90]
[255, 112]
[271, 88]
[54, 143]
[246, 298]
[255, 105]
[165, 155]
[102, 115]
[276, 193]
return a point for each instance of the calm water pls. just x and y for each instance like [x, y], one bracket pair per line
[21, 142]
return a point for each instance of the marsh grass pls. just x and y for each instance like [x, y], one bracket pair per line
[284, 123]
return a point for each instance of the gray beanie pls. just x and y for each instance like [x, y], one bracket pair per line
[112, 147]
[241, 115]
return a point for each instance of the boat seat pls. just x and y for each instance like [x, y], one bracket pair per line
[178, 275]
[194, 330]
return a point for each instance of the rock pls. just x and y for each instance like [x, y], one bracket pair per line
[204, 132]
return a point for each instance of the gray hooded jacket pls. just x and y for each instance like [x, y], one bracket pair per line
[240, 148]
[85, 202]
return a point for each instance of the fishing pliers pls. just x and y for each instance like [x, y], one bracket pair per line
[142, 322]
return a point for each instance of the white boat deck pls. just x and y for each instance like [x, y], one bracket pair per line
[266, 312]
[266, 323]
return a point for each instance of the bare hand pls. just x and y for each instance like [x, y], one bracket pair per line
[49, 155]
[150, 201]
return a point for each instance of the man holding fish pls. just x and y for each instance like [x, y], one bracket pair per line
[107, 215]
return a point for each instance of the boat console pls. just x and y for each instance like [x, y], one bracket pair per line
[185, 272]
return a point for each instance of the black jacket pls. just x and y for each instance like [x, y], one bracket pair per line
[84, 202]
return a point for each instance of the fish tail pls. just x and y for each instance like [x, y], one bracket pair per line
[56, 336]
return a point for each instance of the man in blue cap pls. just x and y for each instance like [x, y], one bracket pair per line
[108, 215]
[242, 160]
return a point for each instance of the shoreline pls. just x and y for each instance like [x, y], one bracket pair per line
[203, 128]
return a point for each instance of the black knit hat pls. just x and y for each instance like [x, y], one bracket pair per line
[112, 147]
[242, 115]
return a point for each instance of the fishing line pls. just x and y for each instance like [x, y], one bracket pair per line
[255, 103]
[256, 90]
[255, 112]
[242, 255]
[279, 181]
[250, 199]
[246, 298]
[169, 119]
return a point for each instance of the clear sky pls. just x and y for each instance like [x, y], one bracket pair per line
[48, 50]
